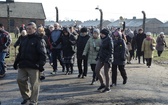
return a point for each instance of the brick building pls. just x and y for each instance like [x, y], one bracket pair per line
[20, 13]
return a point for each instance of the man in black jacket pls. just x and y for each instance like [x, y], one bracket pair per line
[30, 60]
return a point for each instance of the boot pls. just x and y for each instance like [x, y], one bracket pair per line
[93, 82]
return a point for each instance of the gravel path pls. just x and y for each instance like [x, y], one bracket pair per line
[145, 86]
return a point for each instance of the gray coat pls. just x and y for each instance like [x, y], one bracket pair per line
[160, 43]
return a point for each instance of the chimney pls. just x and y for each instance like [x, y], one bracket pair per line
[134, 18]
[10, 1]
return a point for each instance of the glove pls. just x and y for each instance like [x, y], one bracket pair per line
[41, 69]
[15, 66]
[109, 60]
[84, 57]
[42, 76]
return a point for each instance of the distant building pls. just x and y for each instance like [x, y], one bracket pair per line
[164, 28]
[94, 23]
[151, 24]
[21, 13]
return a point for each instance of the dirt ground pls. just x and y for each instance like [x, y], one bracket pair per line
[145, 86]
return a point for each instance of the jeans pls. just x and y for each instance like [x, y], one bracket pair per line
[2, 60]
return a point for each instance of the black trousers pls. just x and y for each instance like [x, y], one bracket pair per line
[114, 73]
[85, 66]
[93, 67]
[148, 61]
[57, 54]
[159, 53]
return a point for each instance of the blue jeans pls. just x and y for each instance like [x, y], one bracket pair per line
[2, 60]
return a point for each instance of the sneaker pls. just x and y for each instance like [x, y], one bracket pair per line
[113, 84]
[33, 104]
[54, 72]
[25, 101]
[101, 87]
[93, 82]
[106, 90]
[79, 75]
[83, 77]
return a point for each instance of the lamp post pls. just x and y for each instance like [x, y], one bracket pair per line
[8, 16]
[56, 8]
[144, 19]
[101, 17]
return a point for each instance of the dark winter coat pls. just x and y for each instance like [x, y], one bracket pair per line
[106, 50]
[20, 39]
[139, 40]
[119, 52]
[5, 41]
[81, 42]
[32, 52]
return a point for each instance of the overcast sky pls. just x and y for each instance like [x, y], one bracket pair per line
[112, 9]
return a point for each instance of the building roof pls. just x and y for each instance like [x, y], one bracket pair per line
[23, 10]
[94, 23]
[164, 25]
[132, 22]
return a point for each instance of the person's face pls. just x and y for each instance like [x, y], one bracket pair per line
[102, 35]
[56, 26]
[51, 29]
[141, 32]
[116, 37]
[30, 29]
[148, 36]
[66, 33]
[95, 35]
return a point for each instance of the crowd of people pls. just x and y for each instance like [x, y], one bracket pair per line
[108, 48]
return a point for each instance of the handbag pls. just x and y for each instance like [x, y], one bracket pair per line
[152, 46]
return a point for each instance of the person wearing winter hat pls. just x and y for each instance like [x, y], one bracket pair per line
[81, 43]
[104, 58]
[146, 48]
[119, 58]
[160, 44]
[92, 47]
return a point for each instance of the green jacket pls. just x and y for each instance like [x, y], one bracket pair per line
[91, 49]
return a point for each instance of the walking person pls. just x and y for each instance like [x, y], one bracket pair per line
[56, 50]
[17, 32]
[104, 58]
[160, 44]
[21, 38]
[119, 58]
[92, 48]
[29, 62]
[81, 42]
[139, 39]
[5, 42]
[68, 42]
[146, 48]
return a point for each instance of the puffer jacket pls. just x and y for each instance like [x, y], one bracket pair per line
[92, 48]
[119, 52]
[105, 54]
[32, 52]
